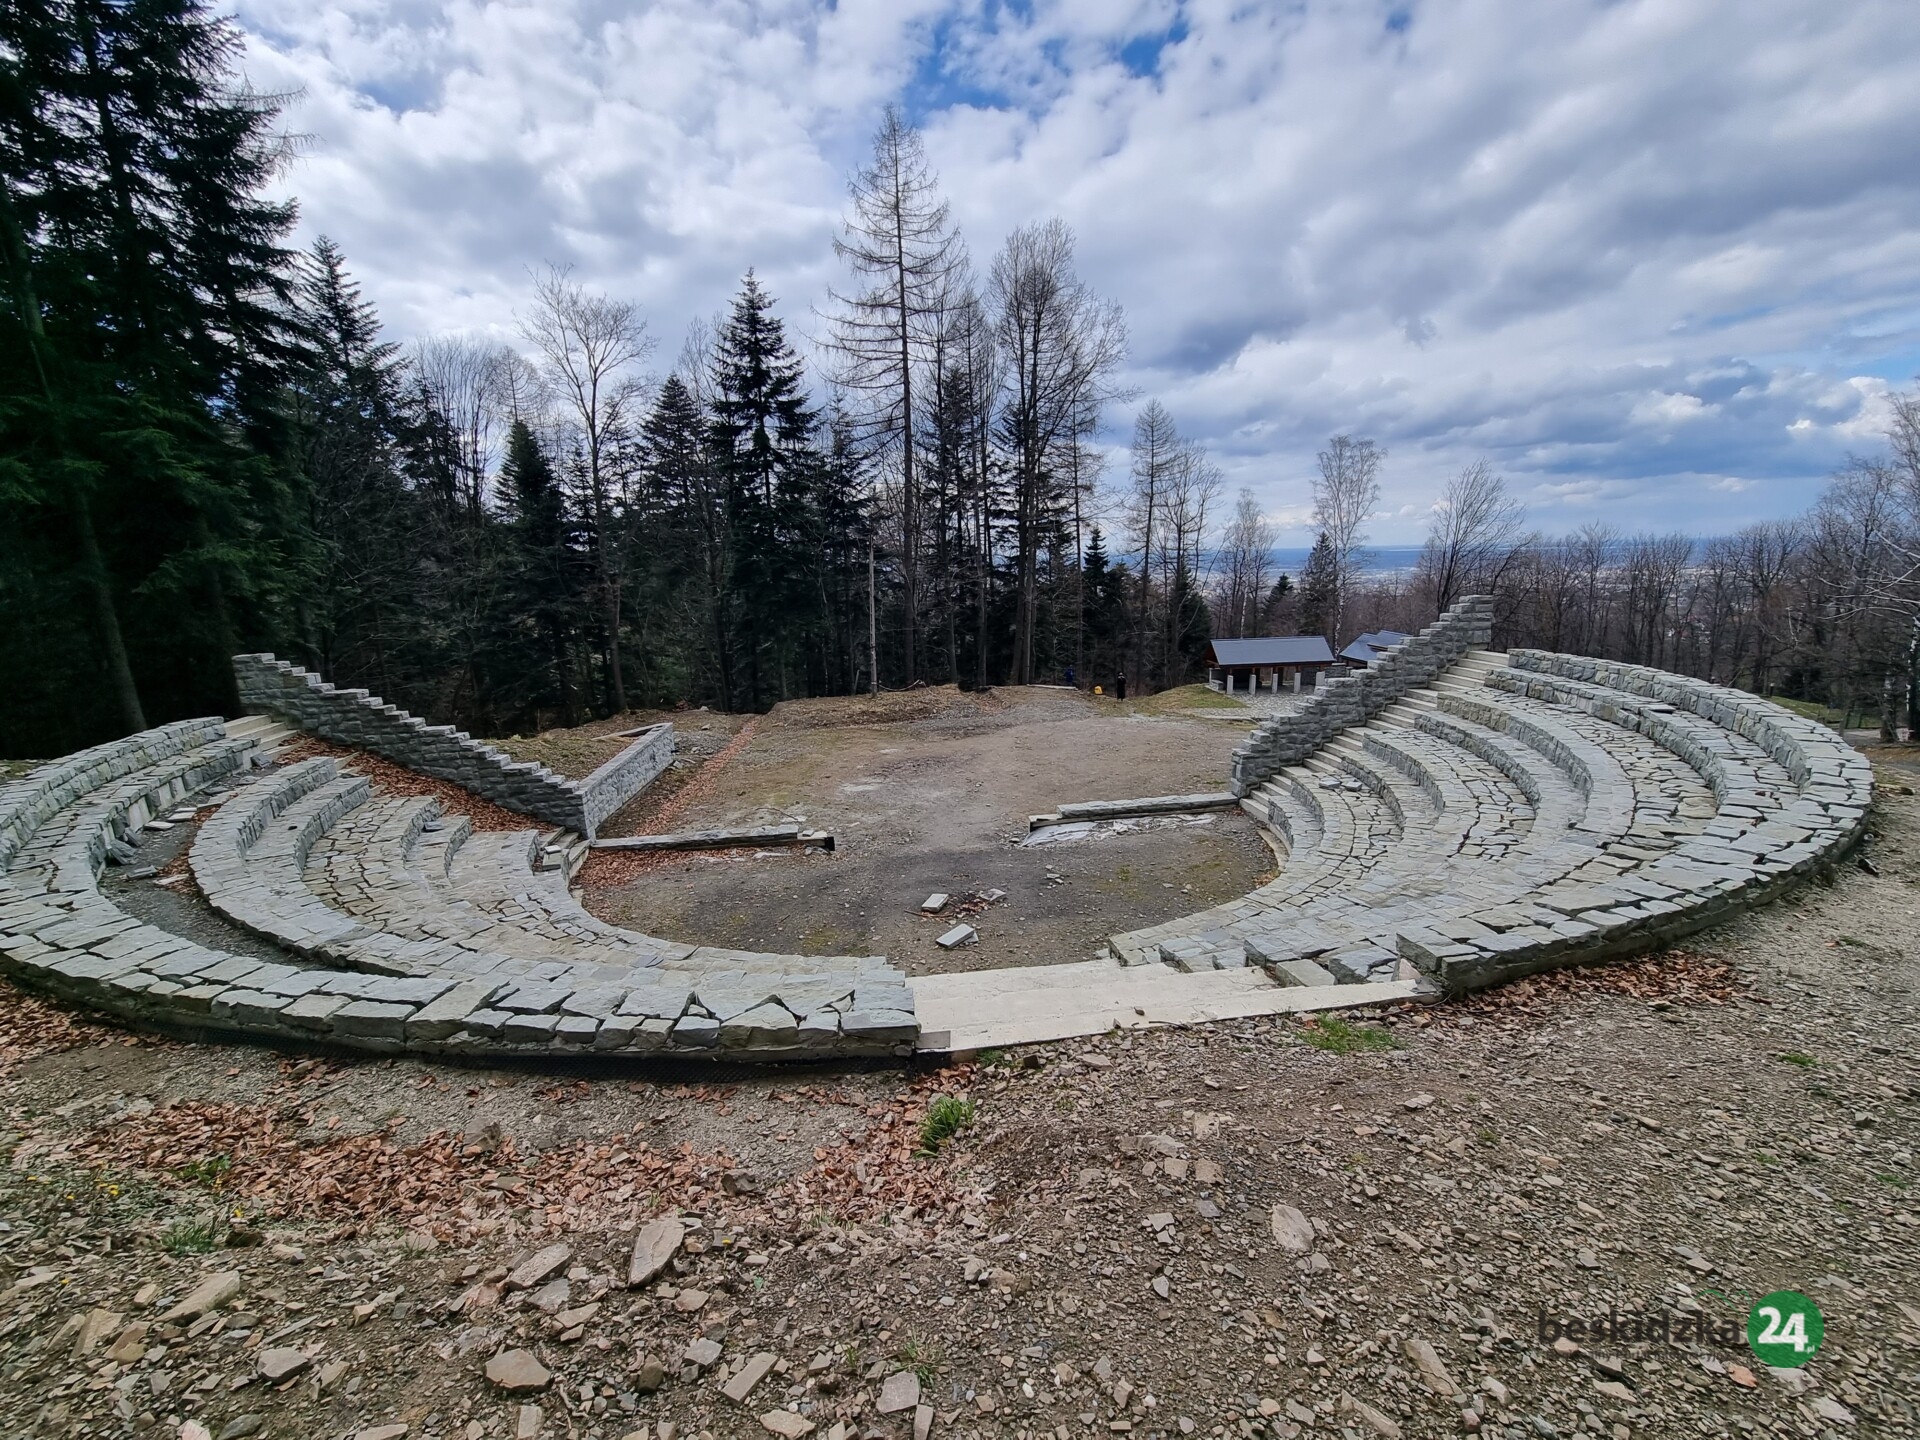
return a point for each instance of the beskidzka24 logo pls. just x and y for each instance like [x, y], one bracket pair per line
[1783, 1329]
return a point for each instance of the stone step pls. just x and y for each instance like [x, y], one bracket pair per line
[980, 1009]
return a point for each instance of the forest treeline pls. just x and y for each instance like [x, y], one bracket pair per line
[208, 444]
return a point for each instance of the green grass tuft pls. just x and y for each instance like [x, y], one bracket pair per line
[210, 1171]
[190, 1237]
[947, 1116]
[1794, 1057]
[1338, 1037]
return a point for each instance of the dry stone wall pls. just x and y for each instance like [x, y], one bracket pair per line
[60, 933]
[1347, 701]
[366, 722]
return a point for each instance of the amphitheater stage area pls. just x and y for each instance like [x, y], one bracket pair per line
[1450, 818]
[929, 792]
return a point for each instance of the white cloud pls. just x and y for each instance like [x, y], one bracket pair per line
[1627, 251]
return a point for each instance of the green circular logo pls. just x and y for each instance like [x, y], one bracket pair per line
[1784, 1329]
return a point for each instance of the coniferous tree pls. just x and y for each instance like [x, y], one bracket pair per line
[762, 432]
[347, 412]
[542, 592]
[144, 335]
[696, 533]
[1320, 590]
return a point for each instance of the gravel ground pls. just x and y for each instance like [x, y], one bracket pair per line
[927, 792]
[1109, 1245]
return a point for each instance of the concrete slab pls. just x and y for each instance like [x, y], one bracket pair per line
[973, 1010]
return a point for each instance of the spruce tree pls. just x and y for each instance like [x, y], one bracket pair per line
[762, 432]
[541, 594]
[145, 338]
[696, 532]
[1319, 590]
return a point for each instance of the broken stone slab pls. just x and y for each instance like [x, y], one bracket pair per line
[1291, 1229]
[538, 1266]
[718, 839]
[209, 1294]
[934, 903]
[1088, 810]
[518, 1371]
[899, 1391]
[654, 1248]
[959, 935]
[282, 1363]
[1427, 1361]
[787, 1424]
[751, 1374]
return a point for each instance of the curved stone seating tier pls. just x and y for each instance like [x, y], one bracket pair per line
[1549, 809]
[1348, 828]
[58, 932]
[1450, 812]
[310, 859]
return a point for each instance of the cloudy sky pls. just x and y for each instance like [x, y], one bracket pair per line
[1658, 260]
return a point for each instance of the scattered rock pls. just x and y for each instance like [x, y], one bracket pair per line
[515, 1371]
[1427, 1360]
[282, 1363]
[786, 1423]
[1693, 1259]
[130, 1345]
[1373, 1419]
[750, 1374]
[899, 1391]
[654, 1248]
[382, 1432]
[1291, 1229]
[96, 1327]
[209, 1294]
[537, 1267]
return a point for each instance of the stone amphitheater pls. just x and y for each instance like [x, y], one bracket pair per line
[1446, 819]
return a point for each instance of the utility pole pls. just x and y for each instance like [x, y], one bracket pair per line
[873, 626]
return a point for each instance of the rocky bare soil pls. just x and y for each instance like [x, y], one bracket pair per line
[1253, 1229]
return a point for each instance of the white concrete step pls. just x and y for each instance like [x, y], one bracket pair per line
[975, 1009]
[265, 731]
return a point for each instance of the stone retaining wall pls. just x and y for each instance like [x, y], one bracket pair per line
[1348, 700]
[62, 935]
[366, 722]
[1761, 843]
[29, 801]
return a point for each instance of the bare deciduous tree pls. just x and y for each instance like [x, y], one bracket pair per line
[1246, 565]
[462, 380]
[593, 346]
[1472, 536]
[1060, 345]
[1344, 494]
[899, 242]
[1156, 455]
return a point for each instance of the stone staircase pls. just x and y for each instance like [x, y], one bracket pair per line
[1521, 811]
[1450, 818]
